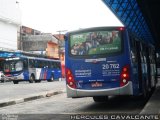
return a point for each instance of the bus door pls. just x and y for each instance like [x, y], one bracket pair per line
[139, 68]
[153, 70]
[158, 64]
[144, 82]
[136, 64]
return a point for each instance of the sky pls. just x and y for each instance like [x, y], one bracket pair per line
[50, 16]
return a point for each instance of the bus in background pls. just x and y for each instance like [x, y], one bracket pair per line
[1, 72]
[107, 61]
[32, 69]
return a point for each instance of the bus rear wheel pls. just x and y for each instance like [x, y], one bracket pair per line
[37, 81]
[2, 81]
[51, 79]
[15, 82]
[32, 79]
[100, 98]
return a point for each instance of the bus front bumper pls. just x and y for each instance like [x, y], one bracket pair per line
[125, 90]
[11, 78]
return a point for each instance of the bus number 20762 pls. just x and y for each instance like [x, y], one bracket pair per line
[110, 66]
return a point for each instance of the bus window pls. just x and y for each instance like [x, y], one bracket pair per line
[19, 66]
[49, 64]
[31, 63]
[133, 49]
[58, 65]
[6, 67]
[53, 65]
[13, 66]
[46, 64]
[25, 64]
[43, 64]
[36, 63]
[40, 64]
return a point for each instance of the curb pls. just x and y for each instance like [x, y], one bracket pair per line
[30, 98]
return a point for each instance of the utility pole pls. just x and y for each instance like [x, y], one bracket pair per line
[60, 31]
[59, 41]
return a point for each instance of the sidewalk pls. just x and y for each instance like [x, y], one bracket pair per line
[153, 105]
[31, 92]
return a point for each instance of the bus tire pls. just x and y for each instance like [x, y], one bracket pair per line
[37, 81]
[15, 82]
[51, 79]
[2, 81]
[100, 98]
[32, 79]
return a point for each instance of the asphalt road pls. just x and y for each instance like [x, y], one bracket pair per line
[62, 106]
[21, 82]
[59, 107]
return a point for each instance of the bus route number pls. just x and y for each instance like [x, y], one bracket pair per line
[110, 66]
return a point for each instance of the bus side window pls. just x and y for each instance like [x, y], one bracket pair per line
[58, 65]
[52, 65]
[31, 63]
[25, 62]
[41, 64]
[133, 49]
[49, 64]
[55, 65]
[142, 53]
[46, 64]
[36, 63]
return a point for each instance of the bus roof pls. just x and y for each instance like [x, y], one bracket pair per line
[39, 58]
[97, 28]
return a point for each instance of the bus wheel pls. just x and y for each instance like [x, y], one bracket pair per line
[2, 81]
[32, 79]
[37, 81]
[15, 82]
[100, 98]
[51, 79]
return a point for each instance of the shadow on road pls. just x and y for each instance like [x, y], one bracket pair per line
[118, 104]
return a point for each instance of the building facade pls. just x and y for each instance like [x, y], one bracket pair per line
[37, 42]
[10, 20]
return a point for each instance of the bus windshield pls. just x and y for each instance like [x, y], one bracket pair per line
[13, 66]
[95, 43]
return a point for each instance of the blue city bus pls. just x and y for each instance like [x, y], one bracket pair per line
[107, 61]
[32, 68]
